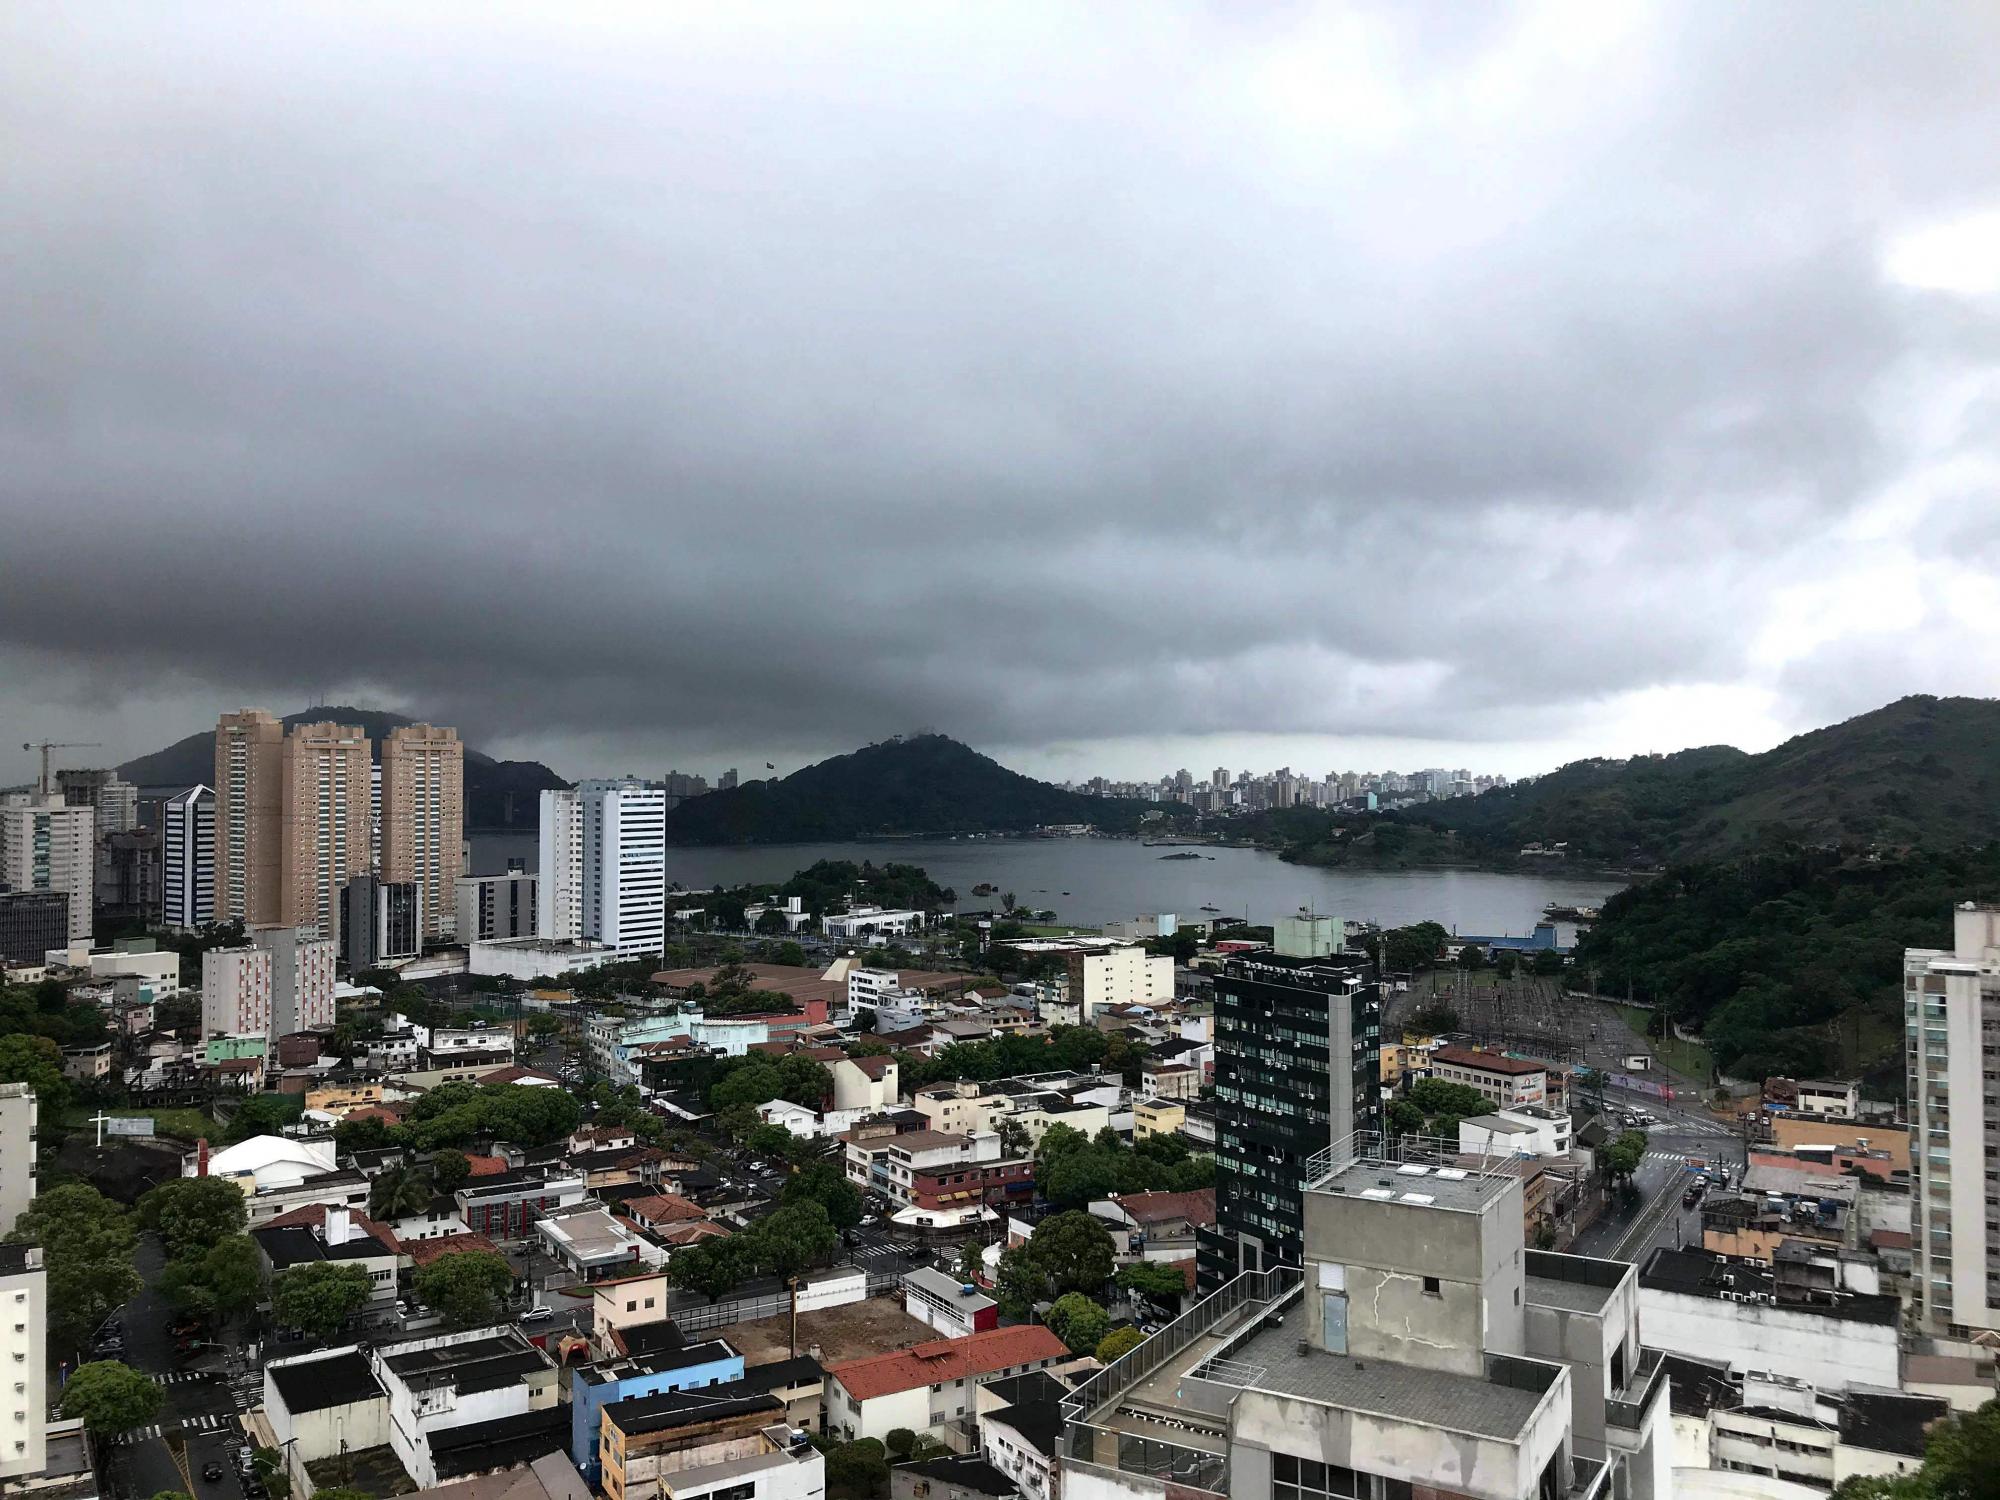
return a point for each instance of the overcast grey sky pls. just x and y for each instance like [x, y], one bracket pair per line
[1113, 387]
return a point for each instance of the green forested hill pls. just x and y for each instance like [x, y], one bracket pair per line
[1921, 771]
[922, 784]
[1787, 962]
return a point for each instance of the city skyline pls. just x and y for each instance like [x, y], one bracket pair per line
[1428, 391]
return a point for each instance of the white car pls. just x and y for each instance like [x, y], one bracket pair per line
[538, 1315]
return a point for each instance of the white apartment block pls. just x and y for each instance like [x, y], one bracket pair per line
[187, 858]
[47, 845]
[624, 889]
[24, 1337]
[18, 1118]
[559, 883]
[1125, 975]
[236, 991]
[302, 977]
[1951, 1026]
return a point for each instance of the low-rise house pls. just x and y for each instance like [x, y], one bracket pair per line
[962, 1107]
[466, 1403]
[1158, 1225]
[263, 1162]
[324, 1404]
[439, 1219]
[1504, 1080]
[954, 1308]
[727, 1442]
[1020, 1430]
[594, 1243]
[596, 1386]
[319, 1232]
[1521, 1130]
[1152, 1117]
[505, 1205]
[659, 1211]
[626, 1302]
[928, 1386]
[799, 1383]
[956, 1476]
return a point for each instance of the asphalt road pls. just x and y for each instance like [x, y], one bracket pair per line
[1632, 1226]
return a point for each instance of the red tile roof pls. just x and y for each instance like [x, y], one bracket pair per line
[1490, 1062]
[876, 1066]
[944, 1360]
[664, 1208]
[1186, 1268]
[688, 1233]
[485, 1166]
[1196, 1206]
[423, 1252]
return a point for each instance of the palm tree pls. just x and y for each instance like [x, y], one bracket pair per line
[397, 1192]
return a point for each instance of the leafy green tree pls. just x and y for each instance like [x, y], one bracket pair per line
[857, 1471]
[449, 1170]
[1504, 964]
[1073, 1251]
[1078, 1322]
[1404, 1118]
[1623, 1155]
[319, 1296]
[36, 1061]
[172, 1495]
[221, 1283]
[1961, 1458]
[1152, 1278]
[465, 1289]
[712, 1267]
[110, 1397]
[899, 1441]
[1546, 962]
[795, 1238]
[192, 1214]
[1118, 1343]
[824, 1183]
[543, 1027]
[971, 1262]
[398, 1191]
[1435, 1019]
[87, 1245]
[264, 1114]
[772, 1140]
[370, 1134]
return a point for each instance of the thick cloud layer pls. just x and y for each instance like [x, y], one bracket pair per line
[642, 385]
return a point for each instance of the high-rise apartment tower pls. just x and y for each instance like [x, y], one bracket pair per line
[423, 818]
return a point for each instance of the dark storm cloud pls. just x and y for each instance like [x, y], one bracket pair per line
[762, 379]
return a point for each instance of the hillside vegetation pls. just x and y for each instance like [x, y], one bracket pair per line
[1921, 772]
[924, 784]
[498, 793]
[1787, 963]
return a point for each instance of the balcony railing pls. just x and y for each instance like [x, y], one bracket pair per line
[1632, 1406]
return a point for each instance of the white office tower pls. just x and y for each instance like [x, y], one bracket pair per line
[559, 872]
[48, 845]
[24, 1337]
[187, 857]
[1951, 1015]
[18, 1117]
[624, 896]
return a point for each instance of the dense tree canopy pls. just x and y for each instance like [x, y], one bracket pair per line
[1780, 958]
[191, 1214]
[319, 1296]
[465, 1289]
[87, 1243]
[110, 1397]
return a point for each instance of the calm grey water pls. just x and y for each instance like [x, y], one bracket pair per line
[1090, 881]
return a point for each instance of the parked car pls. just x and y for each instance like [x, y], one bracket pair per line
[538, 1315]
[211, 1472]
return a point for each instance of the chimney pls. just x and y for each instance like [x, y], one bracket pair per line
[339, 1227]
[201, 1157]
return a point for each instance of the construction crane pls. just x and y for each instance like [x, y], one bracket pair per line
[47, 745]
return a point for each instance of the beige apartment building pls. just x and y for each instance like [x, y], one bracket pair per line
[249, 816]
[423, 818]
[325, 823]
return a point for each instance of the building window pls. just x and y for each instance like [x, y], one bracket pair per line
[1433, 1287]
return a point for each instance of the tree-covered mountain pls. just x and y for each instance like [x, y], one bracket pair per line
[498, 793]
[1788, 962]
[1921, 771]
[920, 784]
